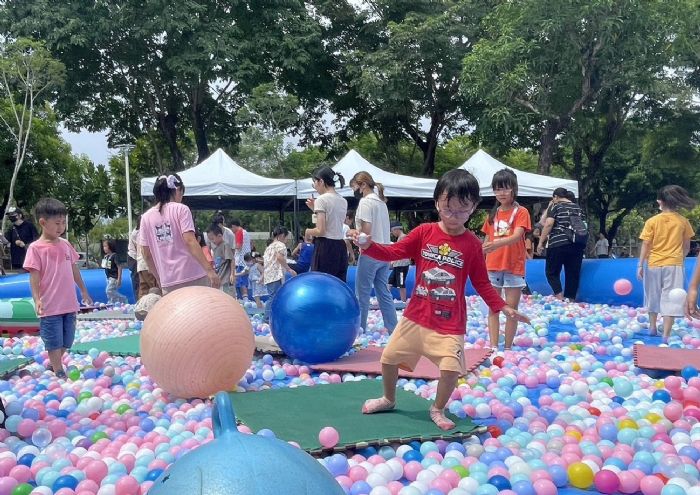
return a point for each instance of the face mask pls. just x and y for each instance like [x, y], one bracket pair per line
[358, 194]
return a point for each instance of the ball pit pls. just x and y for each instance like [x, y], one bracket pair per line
[567, 396]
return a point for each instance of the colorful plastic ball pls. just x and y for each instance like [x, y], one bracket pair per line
[41, 437]
[677, 296]
[606, 481]
[22, 489]
[191, 356]
[328, 437]
[65, 481]
[315, 317]
[661, 395]
[622, 287]
[500, 482]
[580, 475]
[689, 372]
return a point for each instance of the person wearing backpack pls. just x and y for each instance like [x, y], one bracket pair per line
[565, 234]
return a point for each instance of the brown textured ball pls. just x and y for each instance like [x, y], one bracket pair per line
[197, 341]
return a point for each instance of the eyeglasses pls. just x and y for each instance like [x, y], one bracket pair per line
[447, 213]
[501, 190]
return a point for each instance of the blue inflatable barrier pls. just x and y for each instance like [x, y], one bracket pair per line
[597, 279]
[95, 281]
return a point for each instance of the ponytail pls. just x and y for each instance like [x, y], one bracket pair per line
[164, 189]
[380, 191]
[338, 177]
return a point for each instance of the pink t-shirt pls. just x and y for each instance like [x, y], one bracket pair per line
[162, 233]
[54, 261]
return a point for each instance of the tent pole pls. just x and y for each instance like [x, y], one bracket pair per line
[295, 226]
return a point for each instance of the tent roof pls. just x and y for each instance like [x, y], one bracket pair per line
[483, 166]
[395, 185]
[220, 183]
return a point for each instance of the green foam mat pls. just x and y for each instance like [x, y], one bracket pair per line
[127, 345]
[299, 414]
[9, 366]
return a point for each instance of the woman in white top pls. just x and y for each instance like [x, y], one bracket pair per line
[330, 252]
[372, 218]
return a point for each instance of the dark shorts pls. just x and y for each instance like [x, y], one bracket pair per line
[398, 275]
[57, 332]
[241, 280]
[330, 256]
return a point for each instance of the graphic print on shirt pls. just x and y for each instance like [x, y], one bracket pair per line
[164, 233]
[501, 229]
[435, 283]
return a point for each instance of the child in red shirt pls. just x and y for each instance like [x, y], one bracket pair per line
[505, 230]
[434, 322]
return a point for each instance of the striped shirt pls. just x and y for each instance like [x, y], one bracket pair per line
[561, 233]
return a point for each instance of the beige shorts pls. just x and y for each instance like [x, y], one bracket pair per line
[200, 282]
[410, 341]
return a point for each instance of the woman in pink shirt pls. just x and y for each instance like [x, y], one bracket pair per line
[169, 245]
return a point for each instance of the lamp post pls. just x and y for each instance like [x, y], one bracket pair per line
[126, 149]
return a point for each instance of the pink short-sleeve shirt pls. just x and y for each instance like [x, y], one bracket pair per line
[54, 261]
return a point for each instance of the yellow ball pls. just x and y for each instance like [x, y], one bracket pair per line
[653, 418]
[575, 434]
[486, 373]
[576, 367]
[580, 475]
[628, 423]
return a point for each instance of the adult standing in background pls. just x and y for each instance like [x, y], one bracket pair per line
[561, 250]
[170, 248]
[241, 248]
[20, 235]
[329, 210]
[602, 247]
[372, 218]
[132, 256]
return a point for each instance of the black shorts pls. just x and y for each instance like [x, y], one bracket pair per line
[398, 275]
[330, 256]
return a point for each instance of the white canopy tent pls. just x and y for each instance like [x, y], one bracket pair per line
[220, 183]
[483, 166]
[401, 190]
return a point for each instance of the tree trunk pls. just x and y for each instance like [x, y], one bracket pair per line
[429, 158]
[548, 144]
[603, 219]
[199, 125]
[168, 128]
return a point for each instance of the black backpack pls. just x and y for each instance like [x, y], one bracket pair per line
[578, 230]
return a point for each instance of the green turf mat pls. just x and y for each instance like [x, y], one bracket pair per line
[9, 366]
[299, 414]
[117, 346]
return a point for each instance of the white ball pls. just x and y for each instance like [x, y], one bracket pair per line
[362, 238]
[677, 296]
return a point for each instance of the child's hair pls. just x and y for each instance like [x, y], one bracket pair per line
[111, 244]
[364, 178]
[49, 208]
[235, 222]
[165, 187]
[503, 179]
[560, 192]
[328, 176]
[215, 229]
[675, 197]
[279, 230]
[247, 257]
[460, 184]
[218, 219]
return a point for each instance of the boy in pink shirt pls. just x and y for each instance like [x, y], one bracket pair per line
[53, 274]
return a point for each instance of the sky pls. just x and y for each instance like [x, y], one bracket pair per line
[92, 144]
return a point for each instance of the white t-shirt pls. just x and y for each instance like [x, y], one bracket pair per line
[601, 246]
[335, 207]
[373, 210]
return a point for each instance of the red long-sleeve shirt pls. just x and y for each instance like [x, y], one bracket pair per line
[443, 263]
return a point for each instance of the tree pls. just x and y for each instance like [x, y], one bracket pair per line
[28, 74]
[543, 63]
[409, 82]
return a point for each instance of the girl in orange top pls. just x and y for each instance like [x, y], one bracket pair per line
[504, 246]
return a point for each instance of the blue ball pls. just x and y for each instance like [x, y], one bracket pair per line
[661, 395]
[315, 317]
[65, 481]
[500, 482]
[689, 372]
[154, 474]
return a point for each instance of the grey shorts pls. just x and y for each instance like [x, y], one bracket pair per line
[200, 282]
[506, 280]
[658, 282]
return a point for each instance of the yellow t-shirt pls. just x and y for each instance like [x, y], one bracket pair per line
[666, 233]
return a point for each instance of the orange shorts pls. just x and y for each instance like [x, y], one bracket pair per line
[409, 341]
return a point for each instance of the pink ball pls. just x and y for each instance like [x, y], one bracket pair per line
[328, 437]
[622, 287]
[606, 481]
[545, 487]
[96, 471]
[411, 470]
[126, 485]
[357, 473]
[21, 473]
[673, 411]
[651, 485]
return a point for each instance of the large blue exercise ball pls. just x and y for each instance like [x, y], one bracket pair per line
[315, 317]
